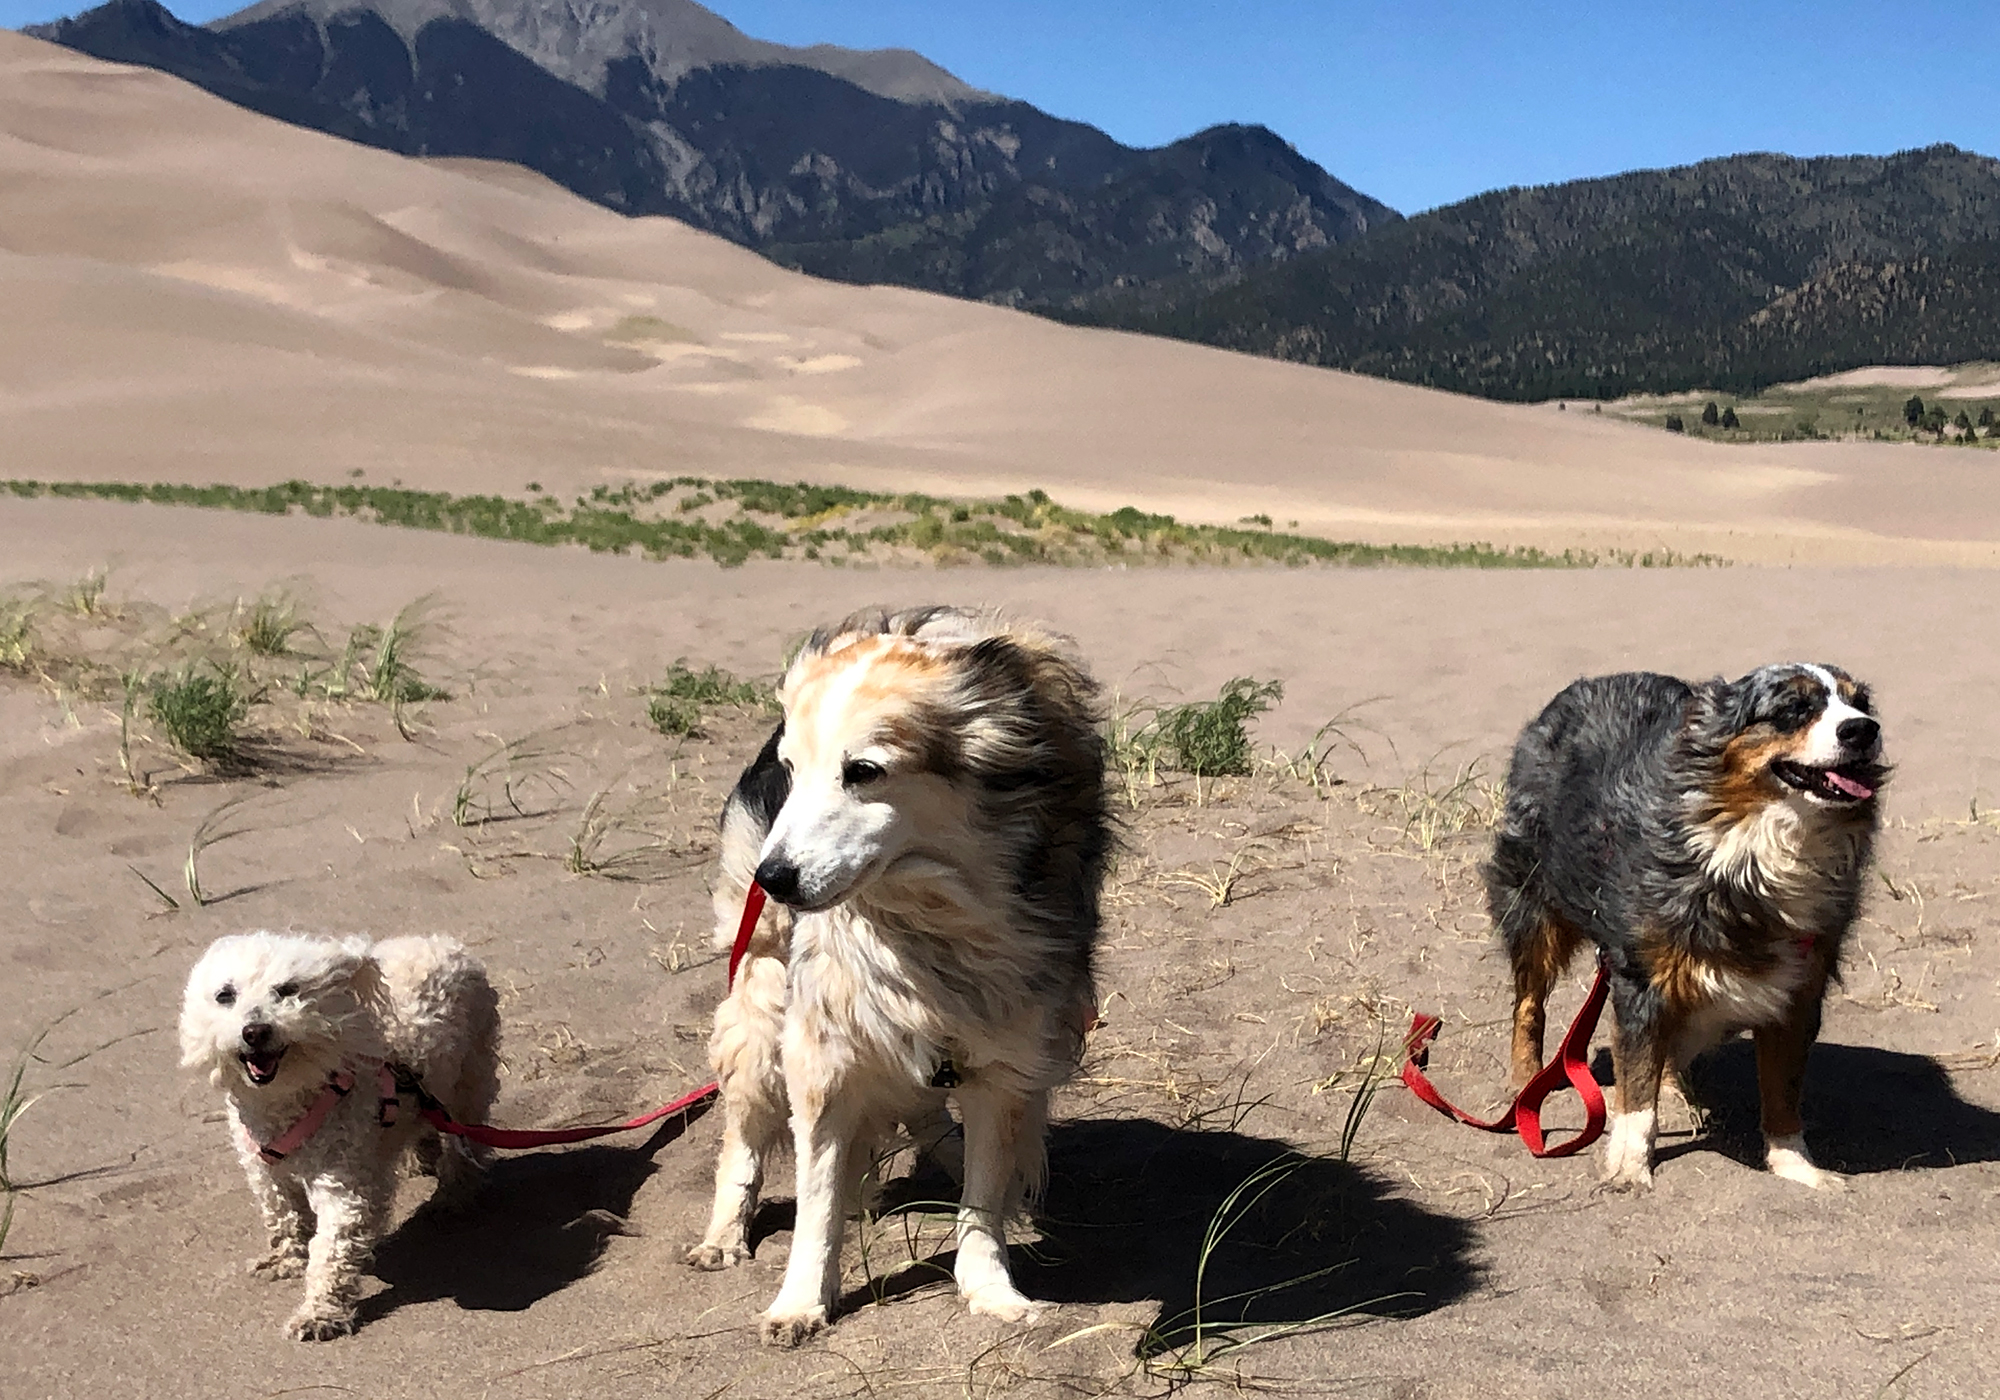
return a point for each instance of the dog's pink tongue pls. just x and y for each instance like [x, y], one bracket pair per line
[1859, 791]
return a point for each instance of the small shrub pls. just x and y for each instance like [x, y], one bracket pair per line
[1913, 410]
[200, 711]
[713, 686]
[1711, 416]
[677, 704]
[674, 717]
[1211, 738]
[1729, 419]
[1674, 424]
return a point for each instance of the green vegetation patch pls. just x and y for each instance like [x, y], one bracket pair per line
[200, 710]
[732, 522]
[678, 703]
[1965, 413]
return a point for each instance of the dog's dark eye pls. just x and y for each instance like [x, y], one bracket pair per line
[1863, 701]
[227, 996]
[858, 772]
[1788, 715]
[286, 989]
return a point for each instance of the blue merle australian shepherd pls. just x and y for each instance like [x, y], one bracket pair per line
[1710, 840]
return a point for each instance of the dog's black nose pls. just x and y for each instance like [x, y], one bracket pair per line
[1859, 734]
[780, 879]
[256, 1035]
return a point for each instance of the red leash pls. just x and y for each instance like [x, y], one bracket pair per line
[693, 1105]
[1524, 1115]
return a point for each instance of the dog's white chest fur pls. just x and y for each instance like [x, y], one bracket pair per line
[1790, 862]
[855, 994]
[1741, 1001]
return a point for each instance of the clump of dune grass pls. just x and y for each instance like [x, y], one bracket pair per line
[514, 768]
[1202, 738]
[1309, 764]
[17, 634]
[678, 704]
[1433, 811]
[267, 626]
[622, 839]
[212, 830]
[1211, 738]
[1188, 1345]
[674, 717]
[200, 710]
[392, 678]
[85, 597]
[15, 1100]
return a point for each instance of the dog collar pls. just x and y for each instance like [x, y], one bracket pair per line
[339, 1083]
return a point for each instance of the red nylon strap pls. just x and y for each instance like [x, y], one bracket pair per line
[692, 1104]
[1570, 1067]
[339, 1083]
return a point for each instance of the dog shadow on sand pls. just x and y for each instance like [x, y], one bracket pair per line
[539, 1224]
[1866, 1110]
[1226, 1231]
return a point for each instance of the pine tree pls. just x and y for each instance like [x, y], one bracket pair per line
[1913, 411]
[1729, 419]
[1711, 415]
[1986, 416]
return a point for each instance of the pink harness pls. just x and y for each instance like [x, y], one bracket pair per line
[339, 1083]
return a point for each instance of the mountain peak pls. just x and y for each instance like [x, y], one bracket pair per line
[578, 39]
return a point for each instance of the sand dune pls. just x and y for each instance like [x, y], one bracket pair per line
[199, 293]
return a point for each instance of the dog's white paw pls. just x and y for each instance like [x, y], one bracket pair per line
[1003, 1301]
[791, 1329]
[1626, 1169]
[276, 1265]
[716, 1256]
[1786, 1157]
[1628, 1152]
[314, 1325]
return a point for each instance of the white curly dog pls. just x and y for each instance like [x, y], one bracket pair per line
[303, 1035]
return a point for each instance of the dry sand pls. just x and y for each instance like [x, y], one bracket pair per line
[195, 294]
[1508, 1276]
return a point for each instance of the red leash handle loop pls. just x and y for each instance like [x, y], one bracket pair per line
[1569, 1069]
[692, 1104]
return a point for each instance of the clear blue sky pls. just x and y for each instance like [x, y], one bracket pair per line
[1420, 104]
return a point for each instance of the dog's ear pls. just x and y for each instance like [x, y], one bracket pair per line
[1038, 710]
[195, 1049]
[363, 974]
[1718, 712]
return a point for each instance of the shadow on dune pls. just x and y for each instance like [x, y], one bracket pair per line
[1131, 1204]
[1866, 1110]
[540, 1224]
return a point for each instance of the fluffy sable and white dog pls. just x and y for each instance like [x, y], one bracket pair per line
[931, 814]
[303, 1036]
